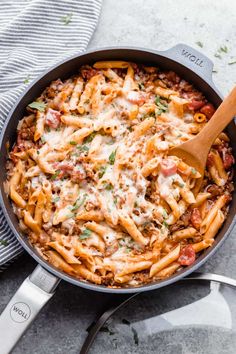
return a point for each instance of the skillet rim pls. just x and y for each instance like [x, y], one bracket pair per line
[61, 275]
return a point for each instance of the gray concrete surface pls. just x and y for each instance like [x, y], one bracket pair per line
[160, 24]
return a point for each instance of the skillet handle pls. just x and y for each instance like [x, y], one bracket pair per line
[24, 306]
[192, 59]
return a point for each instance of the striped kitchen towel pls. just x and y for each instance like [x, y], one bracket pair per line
[35, 34]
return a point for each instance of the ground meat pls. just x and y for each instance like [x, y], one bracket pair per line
[25, 134]
[215, 190]
[87, 72]
[77, 176]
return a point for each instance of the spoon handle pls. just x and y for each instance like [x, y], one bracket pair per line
[220, 119]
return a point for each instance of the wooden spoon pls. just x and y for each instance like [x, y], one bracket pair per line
[194, 152]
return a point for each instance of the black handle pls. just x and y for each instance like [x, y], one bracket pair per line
[192, 59]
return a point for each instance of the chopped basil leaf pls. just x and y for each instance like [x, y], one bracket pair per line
[127, 250]
[90, 137]
[161, 105]
[101, 172]
[112, 158]
[165, 224]
[83, 148]
[73, 143]
[40, 106]
[81, 202]
[37, 152]
[78, 203]
[108, 186]
[85, 234]
[165, 215]
[200, 44]
[56, 174]
[115, 200]
[66, 19]
[4, 243]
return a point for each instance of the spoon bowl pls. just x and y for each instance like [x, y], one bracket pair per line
[194, 152]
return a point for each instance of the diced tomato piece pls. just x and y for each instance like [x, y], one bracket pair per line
[187, 256]
[53, 118]
[168, 167]
[196, 218]
[195, 105]
[136, 97]
[208, 109]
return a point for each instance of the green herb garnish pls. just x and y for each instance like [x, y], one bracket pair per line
[79, 202]
[165, 224]
[108, 186]
[55, 174]
[85, 234]
[66, 19]
[161, 105]
[115, 200]
[102, 170]
[112, 158]
[165, 215]
[4, 243]
[200, 44]
[40, 106]
[73, 143]
[90, 137]
[83, 148]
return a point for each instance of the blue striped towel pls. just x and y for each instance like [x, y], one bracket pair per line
[35, 34]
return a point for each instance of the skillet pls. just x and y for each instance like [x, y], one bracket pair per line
[39, 287]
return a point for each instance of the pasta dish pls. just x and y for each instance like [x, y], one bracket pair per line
[94, 185]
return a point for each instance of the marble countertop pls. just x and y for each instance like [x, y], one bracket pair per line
[207, 25]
